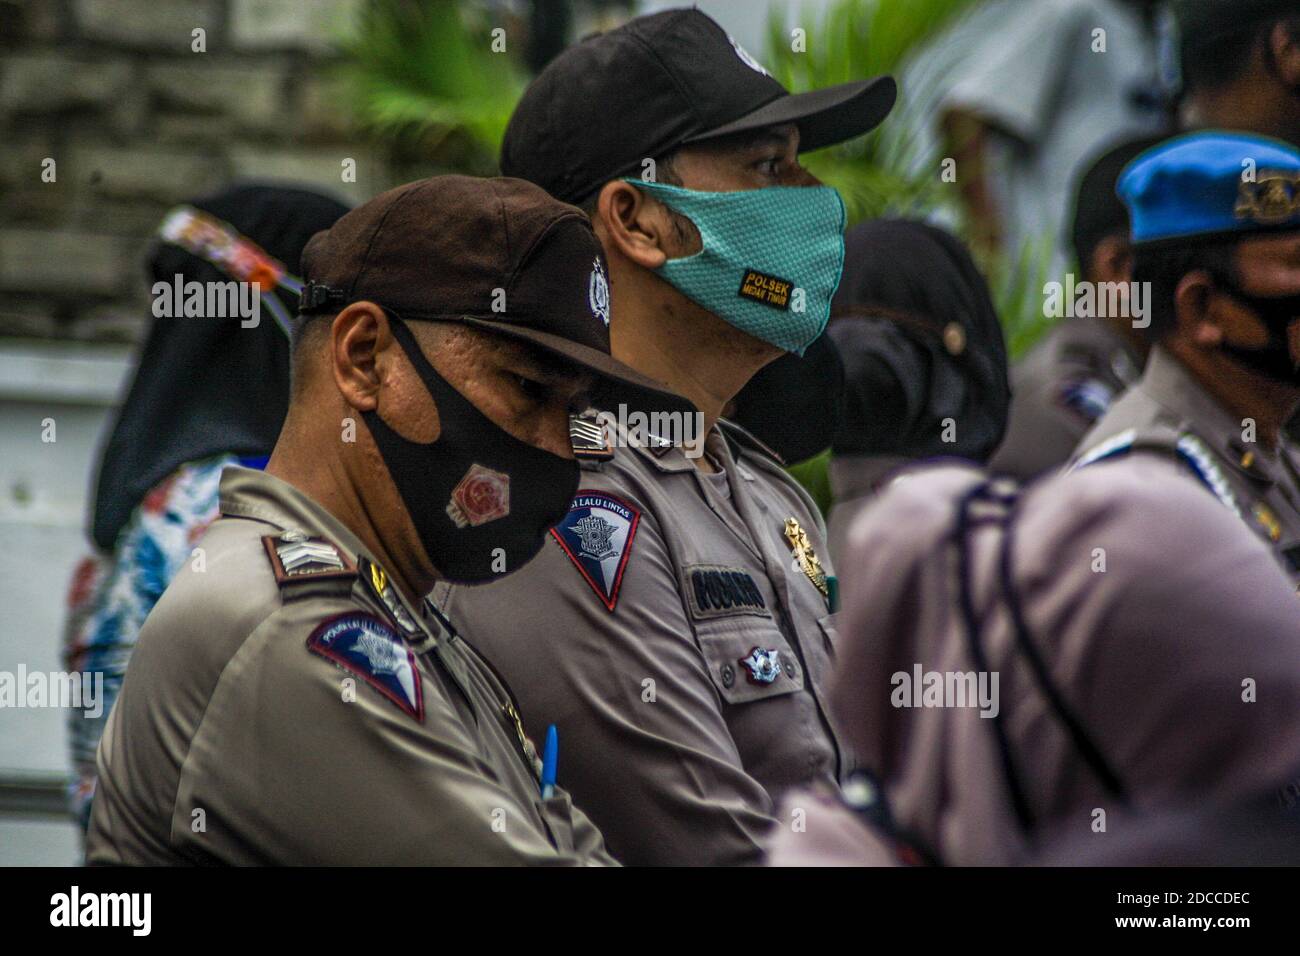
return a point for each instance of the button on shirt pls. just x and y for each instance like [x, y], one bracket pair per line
[682, 654]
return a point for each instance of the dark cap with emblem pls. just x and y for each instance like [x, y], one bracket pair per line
[497, 254]
[658, 82]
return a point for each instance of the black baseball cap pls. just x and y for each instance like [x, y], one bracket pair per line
[498, 254]
[656, 83]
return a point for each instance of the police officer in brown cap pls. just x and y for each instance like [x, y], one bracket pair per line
[292, 699]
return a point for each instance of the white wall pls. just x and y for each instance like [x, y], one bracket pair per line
[43, 498]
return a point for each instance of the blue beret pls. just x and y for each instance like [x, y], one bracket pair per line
[1212, 184]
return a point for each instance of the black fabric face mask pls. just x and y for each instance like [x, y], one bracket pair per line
[1277, 313]
[482, 501]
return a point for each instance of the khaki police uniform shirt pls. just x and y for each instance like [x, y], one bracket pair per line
[1059, 391]
[1168, 413]
[318, 720]
[631, 630]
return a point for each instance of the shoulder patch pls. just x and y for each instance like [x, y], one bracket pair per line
[597, 536]
[716, 591]
[295, 557]
[1089, 398]
[362, 644]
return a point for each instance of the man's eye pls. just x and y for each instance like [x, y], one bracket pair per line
[770, 166]
[534, 390]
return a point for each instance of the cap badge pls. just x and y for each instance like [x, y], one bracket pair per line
[804, 556]
[483, 495]
[598, 292]
[764, 665]
[1272, 200]
[746, 59]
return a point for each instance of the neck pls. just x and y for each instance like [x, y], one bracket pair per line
[327, 481]
[1244, 393]
[693, 352]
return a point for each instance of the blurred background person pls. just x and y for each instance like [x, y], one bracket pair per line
[1240, 66]
[1068, 380]
[1006, 694]
[207, 393]
[1037, 90]
[925, 365]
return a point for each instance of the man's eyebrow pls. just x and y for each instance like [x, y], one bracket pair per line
[744, 142]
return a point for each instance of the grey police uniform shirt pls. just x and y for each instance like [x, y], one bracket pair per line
[680, 651]
[1059, 391]
[1168, 413]
[285, 705]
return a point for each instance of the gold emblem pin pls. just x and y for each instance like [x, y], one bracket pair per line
[1268, 521]
[805, 557]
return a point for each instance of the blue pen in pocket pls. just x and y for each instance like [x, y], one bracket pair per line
[550, 757]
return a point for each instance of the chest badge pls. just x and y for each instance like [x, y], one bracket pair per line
[764, 665]
[804, 556]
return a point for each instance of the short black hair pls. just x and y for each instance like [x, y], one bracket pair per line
[665, 172]
[1163, 265]
[1215, 63]
[1099, 213]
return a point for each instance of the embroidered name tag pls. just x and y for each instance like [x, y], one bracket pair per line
[715, 591]
[769, 290]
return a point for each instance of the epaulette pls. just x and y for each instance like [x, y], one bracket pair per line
[739, 436]
[1185, 447]
[589, 439]
[297, 559]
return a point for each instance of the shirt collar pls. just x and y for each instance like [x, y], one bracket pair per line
[246, 493]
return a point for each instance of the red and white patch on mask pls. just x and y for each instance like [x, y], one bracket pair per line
[483, 495]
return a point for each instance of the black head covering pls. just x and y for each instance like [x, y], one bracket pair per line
[206, 386]
[916, 330]
[1098, 210]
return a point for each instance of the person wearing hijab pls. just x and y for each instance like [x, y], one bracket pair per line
[207, 393]
[923, 356]
[1021, 669]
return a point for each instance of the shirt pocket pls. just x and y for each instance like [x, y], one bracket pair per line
[557, 814]
[830, 632]
[748, 659]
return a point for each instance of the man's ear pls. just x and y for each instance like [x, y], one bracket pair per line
[1112, 259]
[1285, 47]
[632, 225]
[1197, 302]
[358, 336]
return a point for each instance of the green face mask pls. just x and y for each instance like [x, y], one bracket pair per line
[771, 260]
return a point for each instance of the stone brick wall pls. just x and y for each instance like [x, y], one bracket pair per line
[136, 121]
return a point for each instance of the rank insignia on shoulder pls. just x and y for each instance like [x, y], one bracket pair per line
[363, 645]
[597, 536]
[295, 557]
[801, 550]
[763, 664]
[378, 584]
[589, 439]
